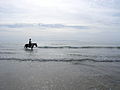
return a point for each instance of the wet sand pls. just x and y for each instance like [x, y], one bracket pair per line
[34, 75]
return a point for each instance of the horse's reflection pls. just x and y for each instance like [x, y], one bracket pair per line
[29, 50]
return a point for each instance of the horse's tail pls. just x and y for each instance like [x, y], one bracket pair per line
[25, 46]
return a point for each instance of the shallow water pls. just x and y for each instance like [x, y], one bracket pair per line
[65, 51]
[60, 66]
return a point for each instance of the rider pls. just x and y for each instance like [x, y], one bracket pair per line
[30, 42]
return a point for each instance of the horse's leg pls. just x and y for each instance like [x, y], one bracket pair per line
[32, 47]
[27, 46]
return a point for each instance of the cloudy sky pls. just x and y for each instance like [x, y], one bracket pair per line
[94, 20]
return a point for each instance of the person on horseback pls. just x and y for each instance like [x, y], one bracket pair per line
[30, 42]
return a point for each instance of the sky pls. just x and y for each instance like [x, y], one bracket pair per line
[83, 20]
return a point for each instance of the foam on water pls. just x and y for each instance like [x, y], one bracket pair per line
[72, 47]
[60, 60]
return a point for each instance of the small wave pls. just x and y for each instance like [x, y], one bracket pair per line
[60, 60]
[7, 53]
[57, 47]
[72, 47]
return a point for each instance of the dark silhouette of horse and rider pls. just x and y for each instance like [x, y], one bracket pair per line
[30, 44]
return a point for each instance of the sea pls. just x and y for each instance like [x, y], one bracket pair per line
[61, 51]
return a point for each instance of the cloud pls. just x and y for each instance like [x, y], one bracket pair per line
[57, 17]
[40, 25]
[85, 12]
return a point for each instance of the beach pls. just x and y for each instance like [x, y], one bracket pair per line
[59, 66]
[35, 75]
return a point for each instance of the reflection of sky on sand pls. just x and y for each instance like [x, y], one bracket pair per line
[57, 76]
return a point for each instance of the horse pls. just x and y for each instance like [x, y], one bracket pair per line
[30, 46]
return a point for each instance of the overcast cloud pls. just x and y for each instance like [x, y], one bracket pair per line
[93, 19]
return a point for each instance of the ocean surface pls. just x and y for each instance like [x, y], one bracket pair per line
[60, 65]
[62, 51]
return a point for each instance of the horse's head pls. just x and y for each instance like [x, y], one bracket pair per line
[36, 44]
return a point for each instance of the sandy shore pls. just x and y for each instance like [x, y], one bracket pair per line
[28, 75]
